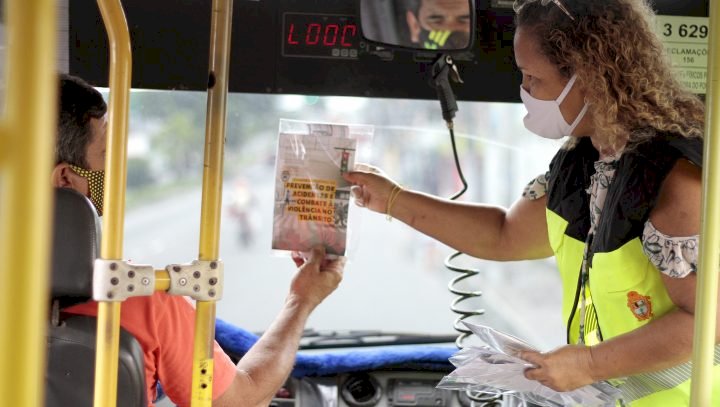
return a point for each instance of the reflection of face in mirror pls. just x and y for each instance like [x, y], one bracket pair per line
[438, 24]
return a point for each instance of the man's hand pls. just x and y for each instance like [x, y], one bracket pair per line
[316, 278]
[267, 364]
[564, 369]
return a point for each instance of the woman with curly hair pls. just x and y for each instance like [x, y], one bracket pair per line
[619, 207]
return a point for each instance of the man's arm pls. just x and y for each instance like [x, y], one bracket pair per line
[266, 366]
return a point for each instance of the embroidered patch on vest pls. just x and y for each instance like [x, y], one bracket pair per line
[640, 305]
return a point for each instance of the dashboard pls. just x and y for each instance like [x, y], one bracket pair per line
[382, 388]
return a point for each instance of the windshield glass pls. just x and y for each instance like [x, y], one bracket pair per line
[395, 279]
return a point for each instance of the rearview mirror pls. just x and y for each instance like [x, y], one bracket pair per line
[445, 25]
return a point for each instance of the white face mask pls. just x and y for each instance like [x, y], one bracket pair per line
[544, 117]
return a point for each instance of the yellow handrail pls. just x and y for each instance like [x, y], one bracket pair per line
[108, 328]
[27, 137]
[220, 30]
[707, 282]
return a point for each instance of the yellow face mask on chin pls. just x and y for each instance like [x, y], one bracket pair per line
[96, 183]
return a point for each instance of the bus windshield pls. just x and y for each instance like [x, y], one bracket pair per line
[391, 266]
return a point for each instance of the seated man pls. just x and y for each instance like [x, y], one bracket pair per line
[164, 324]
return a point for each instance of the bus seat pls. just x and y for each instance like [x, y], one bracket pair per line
[69, 378]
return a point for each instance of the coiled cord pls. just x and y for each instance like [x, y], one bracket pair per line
[483, 399]
[462, 295]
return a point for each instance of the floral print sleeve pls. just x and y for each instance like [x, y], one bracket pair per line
[674, 256]
[537, 188]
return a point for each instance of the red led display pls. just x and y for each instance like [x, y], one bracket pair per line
[320, 36]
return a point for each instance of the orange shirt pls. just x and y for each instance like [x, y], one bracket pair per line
[163, 325]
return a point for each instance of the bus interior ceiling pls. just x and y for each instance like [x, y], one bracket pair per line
[170, 45]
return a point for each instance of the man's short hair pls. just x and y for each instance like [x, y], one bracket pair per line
[78, 103]
[413, 5]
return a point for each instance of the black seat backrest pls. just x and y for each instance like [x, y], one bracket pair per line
[71, 343]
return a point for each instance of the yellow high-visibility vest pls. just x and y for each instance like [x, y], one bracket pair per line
[624, 290]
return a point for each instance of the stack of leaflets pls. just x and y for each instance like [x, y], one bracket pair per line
[497, 369]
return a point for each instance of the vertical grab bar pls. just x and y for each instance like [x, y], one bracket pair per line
[220, 33]
[27, 133]
[108, 328]
[707, 282]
